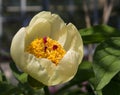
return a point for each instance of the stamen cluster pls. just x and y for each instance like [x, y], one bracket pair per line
[46, 48]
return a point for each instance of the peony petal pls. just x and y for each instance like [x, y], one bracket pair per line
[44, 15]
[66, 69]
[56, 22]
[40, 28]
[60, 36]
[74, 40]
[17, 46]
[39, 69]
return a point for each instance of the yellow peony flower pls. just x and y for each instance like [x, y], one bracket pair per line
[47, 49]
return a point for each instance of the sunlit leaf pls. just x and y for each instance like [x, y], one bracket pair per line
[22, 78]
[98, 33]
[106, 61]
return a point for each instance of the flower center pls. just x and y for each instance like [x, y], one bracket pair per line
[46, 48]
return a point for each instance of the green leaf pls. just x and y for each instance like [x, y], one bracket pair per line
[98, 33]
[34, 83]
[84, 73]
[106, 61]
[14, 68]
[113, 88]
[0, 76]
[21, 77]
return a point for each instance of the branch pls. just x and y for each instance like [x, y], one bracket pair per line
[107, 11]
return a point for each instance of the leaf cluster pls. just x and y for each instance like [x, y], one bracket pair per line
[106, 58]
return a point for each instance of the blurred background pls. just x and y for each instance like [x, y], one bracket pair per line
[15, 14]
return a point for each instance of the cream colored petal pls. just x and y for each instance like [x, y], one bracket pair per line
[17, 46]
[40, 69]
[55, 20]
[40, 28]
[43, 14]
[74, 40]
[61, 36]
[66, 69]
[68, 66]
[57, 24]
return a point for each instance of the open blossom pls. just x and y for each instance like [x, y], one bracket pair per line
[48, 49]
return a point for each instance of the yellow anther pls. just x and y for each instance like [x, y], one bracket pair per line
[46, 48]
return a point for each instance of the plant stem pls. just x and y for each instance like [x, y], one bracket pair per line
[46, 90]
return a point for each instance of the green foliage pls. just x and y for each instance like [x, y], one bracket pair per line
[106, 61]
[99, 33]
[22, 88]
[21, 77]
[113, 88]
[34, 83]
[106, 58]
